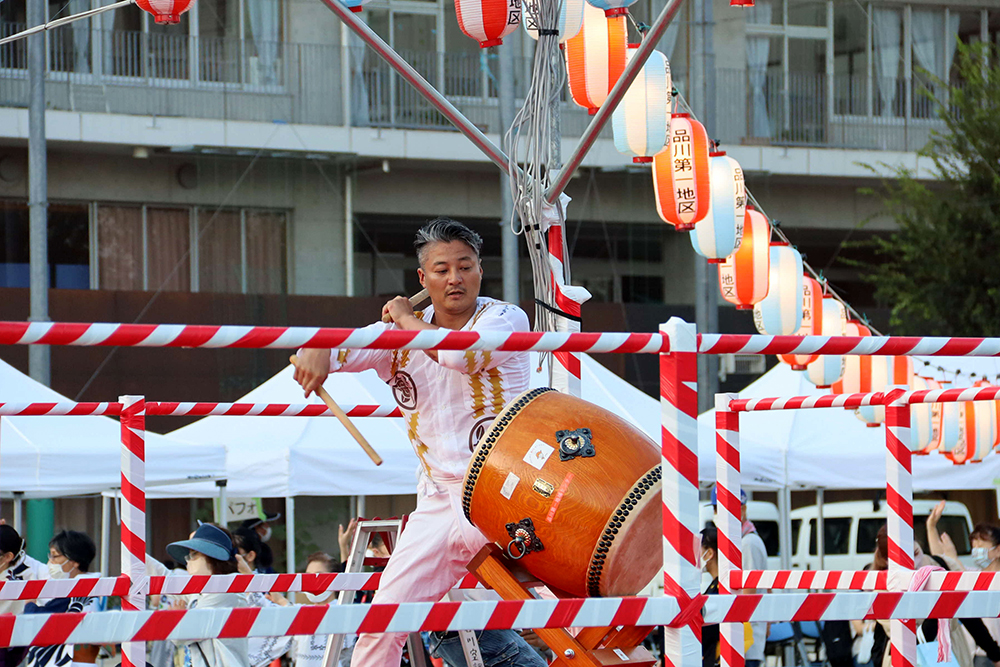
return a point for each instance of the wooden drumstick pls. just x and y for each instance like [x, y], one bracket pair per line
[419, 297]
[342, 416]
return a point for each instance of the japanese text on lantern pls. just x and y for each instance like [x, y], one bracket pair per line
[514, 12]
[741, 205]
[728, 283]
[681, 152]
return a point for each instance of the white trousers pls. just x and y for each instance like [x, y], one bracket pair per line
[429, 559]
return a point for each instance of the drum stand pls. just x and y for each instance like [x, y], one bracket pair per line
[592, 647]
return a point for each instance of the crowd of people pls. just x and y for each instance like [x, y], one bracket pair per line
[972, 642]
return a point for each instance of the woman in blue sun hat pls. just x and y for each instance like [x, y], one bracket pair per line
[209, 551]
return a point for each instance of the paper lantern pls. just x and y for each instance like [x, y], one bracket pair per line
[641, 122]
[613, 7]
[887, 373]
[487, 21]
[857, 367]
[570, 19]
[741, 3]
[925, 419]
[681, 177]
[953, 425]
[780, 312]
[595, 58]
[828, 368]
[719, 235]
[743, 277]
[165, 12]
[983, 436]
[812, 322]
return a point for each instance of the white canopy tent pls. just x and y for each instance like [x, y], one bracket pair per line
[50, 457]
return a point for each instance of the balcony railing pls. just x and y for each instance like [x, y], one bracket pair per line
[248, 80]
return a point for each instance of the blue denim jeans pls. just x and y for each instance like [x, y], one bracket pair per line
[500, 648]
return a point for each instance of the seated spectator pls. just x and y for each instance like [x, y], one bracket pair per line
[70, 555]
[12, 568]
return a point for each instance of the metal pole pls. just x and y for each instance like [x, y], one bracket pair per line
[820, 530]
[290, 535]
[361, 507]
[706, 315]
[222, 517]
[508, 243]
[42, 27]
[105, 534]
[411, 76]
[614, 97]
[38, 355]
[19, 511]
[349, 234]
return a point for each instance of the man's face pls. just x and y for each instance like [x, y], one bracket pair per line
[452, 274]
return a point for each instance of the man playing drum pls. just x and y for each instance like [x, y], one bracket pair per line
[448, 399]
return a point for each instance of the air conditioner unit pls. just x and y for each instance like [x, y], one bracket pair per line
[741, 364]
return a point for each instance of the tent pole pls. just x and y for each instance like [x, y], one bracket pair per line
[105, 534]
[784, 536]
[19, 511]
[361, 507]
[820, 529]
[290, 534]
[222, 515]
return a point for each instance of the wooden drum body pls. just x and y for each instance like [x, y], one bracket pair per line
[573, 491]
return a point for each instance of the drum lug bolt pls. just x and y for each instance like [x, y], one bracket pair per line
[569, 653]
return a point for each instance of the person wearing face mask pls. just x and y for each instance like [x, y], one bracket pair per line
[265, 559]
[70, 555]
[210, 550]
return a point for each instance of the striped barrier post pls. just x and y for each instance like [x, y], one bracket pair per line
[133, 527]
[728, 519]
[566, 367]
[679, 409]
[899, 499]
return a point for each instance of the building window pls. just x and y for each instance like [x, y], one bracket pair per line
[156, 248]
[68, 242]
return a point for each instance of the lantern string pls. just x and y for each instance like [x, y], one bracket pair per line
[55, 23]
[529, 143]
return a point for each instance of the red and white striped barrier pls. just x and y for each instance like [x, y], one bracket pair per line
[568, 299]
[219, 336]
[862, 580]
[949, 395]
[196, 409]
[184, 584]
[679, 406]
[729, 522]
[806, 402]
[850, 606]
[201, 336]
[899, 524]
[133, 512]
[129, 627]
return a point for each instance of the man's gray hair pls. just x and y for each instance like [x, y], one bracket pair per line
[445, 230]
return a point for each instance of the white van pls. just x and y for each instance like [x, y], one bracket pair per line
[851, 528]
[764, 516]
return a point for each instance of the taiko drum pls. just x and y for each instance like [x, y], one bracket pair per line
[571, 491]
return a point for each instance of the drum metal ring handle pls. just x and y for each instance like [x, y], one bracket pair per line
[523, 550]
[523, 535]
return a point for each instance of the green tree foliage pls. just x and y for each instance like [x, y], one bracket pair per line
[940, 272]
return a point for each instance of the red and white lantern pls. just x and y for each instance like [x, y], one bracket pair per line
[743, 277]
[595, 58]
[828, 368]
[857, 367]
[812, 322]
[886, 373]
[487, 21]
[681, 174]
[165, 12]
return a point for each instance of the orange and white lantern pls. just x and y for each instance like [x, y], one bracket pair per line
[595, 58]
[828, 368]
[681, 174]
[641, 123]
[812, 322]
[925, 419]
[886, 373]
[857, 367]
[743, 277]
[984, 436]
[780, 312]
